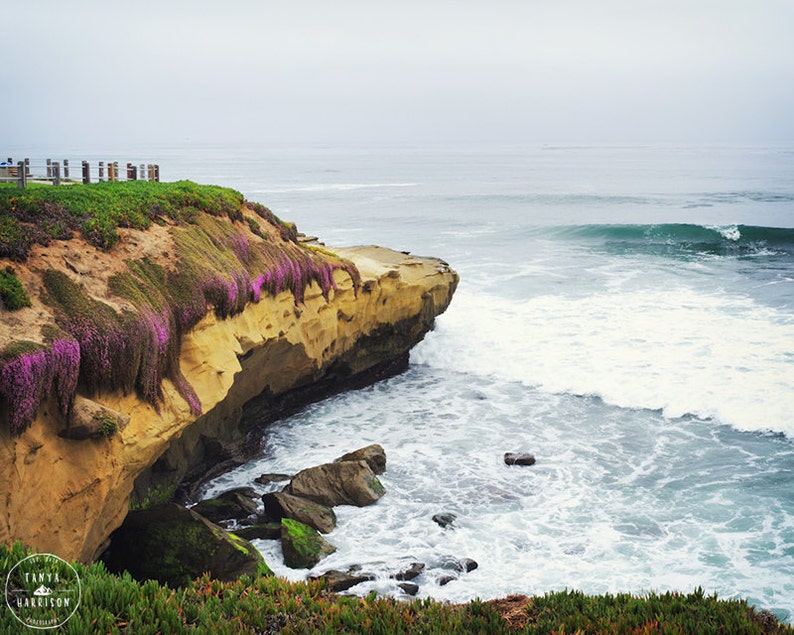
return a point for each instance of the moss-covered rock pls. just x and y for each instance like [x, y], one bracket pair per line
[172, 544]
[280, 505]
[302, 545]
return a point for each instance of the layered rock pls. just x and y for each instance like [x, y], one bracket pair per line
[66, 496]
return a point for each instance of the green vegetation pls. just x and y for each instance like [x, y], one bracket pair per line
[119, 604]
[12, 293]
[108, 426]
[153, 496]
[41, 213]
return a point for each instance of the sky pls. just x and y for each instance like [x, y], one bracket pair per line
[407, 72]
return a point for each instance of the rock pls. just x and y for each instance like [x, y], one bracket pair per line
[267, 479]
[445, 520]
[344, 483]
[91, 420]
[173, 545]
[445, 579]
[467, 564]
[227, 506]
[519, 458]
[411, 572]
[409, 587]
[248, 492]
[262, 531]
[374, 455]
[280, 505]
[338, 581]
[302, 546]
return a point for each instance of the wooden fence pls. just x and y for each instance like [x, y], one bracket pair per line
[56, 172]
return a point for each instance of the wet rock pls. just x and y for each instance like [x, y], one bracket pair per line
[519, 458]
[227, 506]
[374, 455]
[467, 564]
[445, 579]
[338, 581]
[409, 587]
[343, 483]
[247, 492]
[174, 545]
[280, 505]
[302, 546]
[445, 520]
[411, 572]
[262, 531]
[267, 479]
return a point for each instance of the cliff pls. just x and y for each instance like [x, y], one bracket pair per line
[145, 359]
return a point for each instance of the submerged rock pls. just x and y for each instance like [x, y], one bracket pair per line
[302, 546]
[267, 479]
[280, 505]
[173, 545]
[445, 520]
[519, 458]
[374, 455]
[343, 483]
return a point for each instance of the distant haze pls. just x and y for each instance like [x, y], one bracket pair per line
[416, 72]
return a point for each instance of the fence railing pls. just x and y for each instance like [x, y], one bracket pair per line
[55, 172]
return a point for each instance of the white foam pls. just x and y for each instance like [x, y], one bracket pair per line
[714, 356]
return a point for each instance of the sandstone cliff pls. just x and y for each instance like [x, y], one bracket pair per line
[66, 495]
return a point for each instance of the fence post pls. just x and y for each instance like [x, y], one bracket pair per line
[111, 171]
[150, 172]
[49, 168]
[27, 168]
[22, 175]
[115, 170]
[130, 172]
[66, 168]
[86, 173]
[157, 172]
[56, 173]
[101, 171]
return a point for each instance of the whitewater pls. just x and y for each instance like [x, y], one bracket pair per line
[626, 314]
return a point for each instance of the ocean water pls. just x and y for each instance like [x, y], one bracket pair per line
[626, 314]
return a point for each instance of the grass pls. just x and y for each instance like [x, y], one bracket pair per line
[268, 604]
[12, 293]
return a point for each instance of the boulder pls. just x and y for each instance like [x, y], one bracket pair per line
[173, 545]
[302, 546]
[343, 483]
[519, 458]
[445, 579]
[261, 531]
[227, 506]
[280, 505]
[409, 587]
[411, 572]
[374, 455]
[91, 420]
[338, 581]
[465, 565]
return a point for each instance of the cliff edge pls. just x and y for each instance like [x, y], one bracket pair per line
[145, 358]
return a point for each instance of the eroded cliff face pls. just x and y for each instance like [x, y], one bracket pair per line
[66, 496]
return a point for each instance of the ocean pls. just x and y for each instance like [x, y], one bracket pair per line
[625, 314]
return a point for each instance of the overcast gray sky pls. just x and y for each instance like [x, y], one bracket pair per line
[424, 71]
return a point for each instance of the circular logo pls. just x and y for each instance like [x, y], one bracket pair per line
[43, 591]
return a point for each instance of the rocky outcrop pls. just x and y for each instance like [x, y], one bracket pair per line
[374, 455]
[280, 505]
[65, 496]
